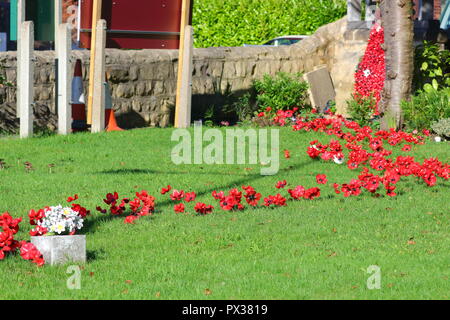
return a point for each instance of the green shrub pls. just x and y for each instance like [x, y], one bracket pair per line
[282, 92]
[442, 127]
[235, 22]
[432, 67]
[361, 109]
[425, 108]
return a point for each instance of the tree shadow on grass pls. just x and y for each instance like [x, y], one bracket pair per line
[92, 255]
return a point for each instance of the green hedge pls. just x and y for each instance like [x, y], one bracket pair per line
[235, 22]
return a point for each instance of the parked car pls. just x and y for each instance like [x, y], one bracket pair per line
[280, 41]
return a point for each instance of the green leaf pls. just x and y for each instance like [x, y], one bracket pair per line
[435, 84]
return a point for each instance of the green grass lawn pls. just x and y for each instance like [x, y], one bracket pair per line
[317, 249]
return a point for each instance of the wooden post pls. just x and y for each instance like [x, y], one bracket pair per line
[98, 101]
[96, 15]
[64, 79]
[20, 19]
[184, 112]
[58, 21]
[26, 30]
[185, 12]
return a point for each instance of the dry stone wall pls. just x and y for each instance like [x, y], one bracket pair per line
[143, 82]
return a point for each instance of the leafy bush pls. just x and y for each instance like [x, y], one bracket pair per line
[442, 127]
[282, 92]
[235, 22]
[432, 67]
[361, 108]
[425, 108]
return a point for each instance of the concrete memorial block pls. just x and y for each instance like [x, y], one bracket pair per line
[321, 89]
[61, 249]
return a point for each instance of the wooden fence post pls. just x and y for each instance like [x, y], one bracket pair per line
[98, 101]
[64, 79]
[185, 97]
[185, 11]
[26, 30]
[20, 19]
[96, 15]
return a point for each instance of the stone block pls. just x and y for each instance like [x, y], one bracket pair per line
[321, 89]
[61, 249]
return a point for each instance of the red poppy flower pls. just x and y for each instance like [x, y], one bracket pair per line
[177, 195]
[178, 208]
[165, 190]
[130, 219]
[406, 148]
[287, 154]
[321, 179]
[189, 196]
[70, 199]
[202, 208]
[281, 184]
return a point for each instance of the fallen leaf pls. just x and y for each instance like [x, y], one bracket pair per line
[91, 274]
[429, 213]
[128, 281]
[208, 292]
[390, 285]
[125, 291]
[333, 254]
[334, 230]
[355, 287]
[158, 294]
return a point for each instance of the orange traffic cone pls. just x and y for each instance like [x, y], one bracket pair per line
[78, 107]
[110, 118]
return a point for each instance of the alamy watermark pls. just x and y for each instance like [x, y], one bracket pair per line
[229, 147]
[74, 281]
[374, 281]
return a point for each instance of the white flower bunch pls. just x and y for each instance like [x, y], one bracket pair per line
[59, 220]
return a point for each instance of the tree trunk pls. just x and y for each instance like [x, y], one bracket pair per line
[398, 41]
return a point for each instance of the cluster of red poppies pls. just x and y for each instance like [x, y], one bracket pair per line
[370, 74]
[28, 251]
[8, 244]
[356, 138]
[181, 195]
[142, 205]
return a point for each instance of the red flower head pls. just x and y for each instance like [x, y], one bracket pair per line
[218, 195]
[177, 195]
[297, 193]
[406, 148]
[189, 196]
[202, 208]
[130, 219]
[321, 179]
[178, 208]
[287, 154]
[111, 199]
[70, 199]
[281, 184]
[165, 190]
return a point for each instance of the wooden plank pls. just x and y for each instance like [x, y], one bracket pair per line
[185, 10]
[184, 112]
[26, 80]
[20, 18]
[96, 15]
[98, 101]
[64, 79]
[58, 21]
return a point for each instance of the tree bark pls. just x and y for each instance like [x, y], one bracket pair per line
[398, 41]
